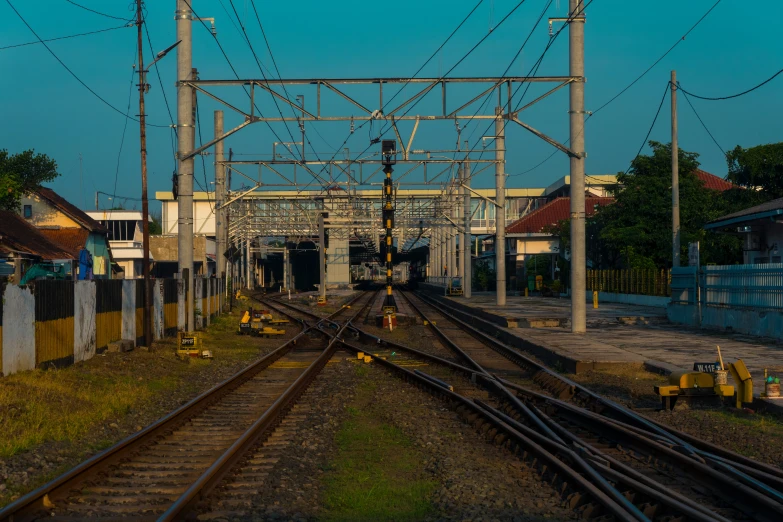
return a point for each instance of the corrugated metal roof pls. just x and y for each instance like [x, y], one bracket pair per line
[17, 235]
[551, 213]
[70, 239]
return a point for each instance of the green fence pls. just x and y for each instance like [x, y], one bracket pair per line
[632, 281]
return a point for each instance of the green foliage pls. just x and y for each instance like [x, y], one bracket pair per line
[485, 276]
[637, 227]
[22, 173]
[156, 228]
[759, 168]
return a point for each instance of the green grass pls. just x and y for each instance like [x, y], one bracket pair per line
[376, 474]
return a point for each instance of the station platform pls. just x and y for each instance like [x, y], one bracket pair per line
[617, 335]
[404, 313]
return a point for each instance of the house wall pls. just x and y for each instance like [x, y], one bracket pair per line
[770, 237]
[45, 215]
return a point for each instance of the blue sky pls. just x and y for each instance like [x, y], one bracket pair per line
[45, 108]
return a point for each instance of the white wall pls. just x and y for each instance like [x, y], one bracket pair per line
[18, 330]
[84, 340]
[129, 309]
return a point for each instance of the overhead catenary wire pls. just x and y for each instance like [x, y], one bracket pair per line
[627, 87]
[385, 129]
[98, 12]
[36, 42]
[75, 76]
[743, 93]
[687, 99]
[124, 128]
[649, 131]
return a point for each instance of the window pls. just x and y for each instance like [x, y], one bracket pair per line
[28, 211]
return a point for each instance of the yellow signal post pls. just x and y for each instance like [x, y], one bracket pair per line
[389, 151]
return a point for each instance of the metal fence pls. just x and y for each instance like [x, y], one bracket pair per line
[632, 281]
[743, 286]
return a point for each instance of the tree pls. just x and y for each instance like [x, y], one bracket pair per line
[758, 168]
[156, 228]
[22, 173]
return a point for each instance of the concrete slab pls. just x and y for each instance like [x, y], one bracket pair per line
[612, 339]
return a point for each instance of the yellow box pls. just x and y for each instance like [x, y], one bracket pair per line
[367, 358]
[360, 355]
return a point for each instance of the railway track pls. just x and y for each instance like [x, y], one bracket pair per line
[170, 468]
[643, 472]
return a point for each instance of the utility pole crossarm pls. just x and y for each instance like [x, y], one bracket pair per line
[544, 137]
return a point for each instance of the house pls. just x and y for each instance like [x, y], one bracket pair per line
[126, 236]
[164, 249]
[761, 228]
[69, 227]
[22, 246]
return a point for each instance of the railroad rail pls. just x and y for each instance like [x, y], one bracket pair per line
[643, 470]
[168, 468]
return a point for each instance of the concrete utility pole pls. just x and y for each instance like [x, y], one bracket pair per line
[145, 209]
[466, 236]
[675, 178]
[220, 197]
[459, 212]
[576, 40]
[185, 144]
[500, 210]
[322, 257]
[248, 265]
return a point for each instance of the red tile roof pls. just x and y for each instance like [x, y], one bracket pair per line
[713, 182]
[69, 239]
[551, 213]
[70, 210]
[17, 235]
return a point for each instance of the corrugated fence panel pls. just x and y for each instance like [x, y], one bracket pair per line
[53, 323]
[170, 307]
[2, 300]
[684, 284]
[108, 317]
[744, 286]
[140, 294]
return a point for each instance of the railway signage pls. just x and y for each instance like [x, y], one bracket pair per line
[705, 367]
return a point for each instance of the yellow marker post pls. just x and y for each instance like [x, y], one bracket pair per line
[595, 298]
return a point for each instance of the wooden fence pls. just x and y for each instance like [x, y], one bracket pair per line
[631, 281]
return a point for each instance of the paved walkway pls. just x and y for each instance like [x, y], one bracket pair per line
[628, 334]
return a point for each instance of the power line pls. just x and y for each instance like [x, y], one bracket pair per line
[687, 99]
[263, 74]
[112, 107]
[97, 12]
[124, 128]
[627, 87]
[665, 92]
[743, 93]
[664, 55]
[65, 37]
[173, 127]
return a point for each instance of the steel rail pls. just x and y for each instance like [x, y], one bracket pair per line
[621, 472]
[25, 507]
[501, 430]
[754, 481]
[207, 481]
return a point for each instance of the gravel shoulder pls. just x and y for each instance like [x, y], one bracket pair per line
[52, 420]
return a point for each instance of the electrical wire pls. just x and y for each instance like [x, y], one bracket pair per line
[173, 126]
[385, 129]
[649, 131]
[124, 127]
[743, 93]
[112, 107]
[66, 37]
[687, 99]
[98, 12]
[627, 87]
[263, 74]
[656, 62]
